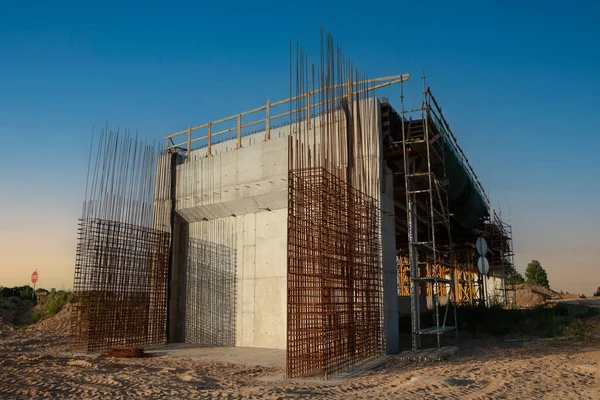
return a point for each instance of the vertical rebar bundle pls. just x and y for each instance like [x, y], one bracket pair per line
[121, 267]
[210, 294]
[334, 238]
[334, 283]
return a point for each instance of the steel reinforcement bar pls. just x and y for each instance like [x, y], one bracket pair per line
[334, 275]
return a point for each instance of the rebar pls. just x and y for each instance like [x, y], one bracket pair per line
[210, 294]
[121, 267]
[334, 275]
[334, 237]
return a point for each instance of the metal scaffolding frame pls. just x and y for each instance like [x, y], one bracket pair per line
[469, 281]
[430, 262]
[499, 236]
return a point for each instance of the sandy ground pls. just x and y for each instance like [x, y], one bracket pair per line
[35, 363]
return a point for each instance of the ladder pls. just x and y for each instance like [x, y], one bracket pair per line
[431, 264]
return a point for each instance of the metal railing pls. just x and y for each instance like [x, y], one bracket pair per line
[297, 104]
[437, 113]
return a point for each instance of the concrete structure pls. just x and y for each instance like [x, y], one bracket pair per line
[232, 200]
[238, 198]
[300, 236]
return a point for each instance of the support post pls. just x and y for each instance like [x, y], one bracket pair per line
[175, 327]
[239, 131]
[414, 272]
[189, 144]
[208, 135]
[268, 121]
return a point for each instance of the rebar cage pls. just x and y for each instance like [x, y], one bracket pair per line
[120, 287]
[210, 294]
[334, 275]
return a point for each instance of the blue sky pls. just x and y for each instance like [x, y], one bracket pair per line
[518, 81]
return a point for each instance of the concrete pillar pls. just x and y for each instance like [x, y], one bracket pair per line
[390, 274]
[177, 284]
[177, 263]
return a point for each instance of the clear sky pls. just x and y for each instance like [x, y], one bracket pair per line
[518, 81]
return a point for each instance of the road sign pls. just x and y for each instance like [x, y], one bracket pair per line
[34, 277]
[483, 265]
[481, 246]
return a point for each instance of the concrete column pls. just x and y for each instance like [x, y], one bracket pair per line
[390, 276]
[177, 284]
[177, 263]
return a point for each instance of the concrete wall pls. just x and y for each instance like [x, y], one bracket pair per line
[238, 198]
[390, 273]
[260, 240]
[248, 180]
[495, 290]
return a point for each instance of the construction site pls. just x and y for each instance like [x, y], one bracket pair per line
[314, 225]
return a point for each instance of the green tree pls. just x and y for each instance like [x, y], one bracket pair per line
[597, 292]
[536, 275]
[24, 292]
[511, 275]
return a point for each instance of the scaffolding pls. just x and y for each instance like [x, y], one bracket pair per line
[499, 236]
[469, 281]
[430, 262]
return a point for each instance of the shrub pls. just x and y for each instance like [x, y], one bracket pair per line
[36, 314]
[56, 301]
[496, 320]
[24, 292]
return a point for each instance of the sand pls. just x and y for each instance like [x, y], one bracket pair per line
[35, 363]
[59, 323]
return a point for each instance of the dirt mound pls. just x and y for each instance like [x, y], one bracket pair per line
[59, 323]
[593, 324]
[589, 327]
[16, 311]
[533, 295]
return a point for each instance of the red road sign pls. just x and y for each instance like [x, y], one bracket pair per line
[34, 277]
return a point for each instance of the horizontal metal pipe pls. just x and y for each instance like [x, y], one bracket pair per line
[388, 80]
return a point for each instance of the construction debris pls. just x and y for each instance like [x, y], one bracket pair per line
[433, 354]
[125, 352]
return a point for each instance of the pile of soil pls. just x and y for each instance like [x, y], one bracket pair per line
[59, 323]
[16, 311]
[593, 324]
[533, 295]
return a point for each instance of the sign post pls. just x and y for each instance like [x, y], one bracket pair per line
[34, 278]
